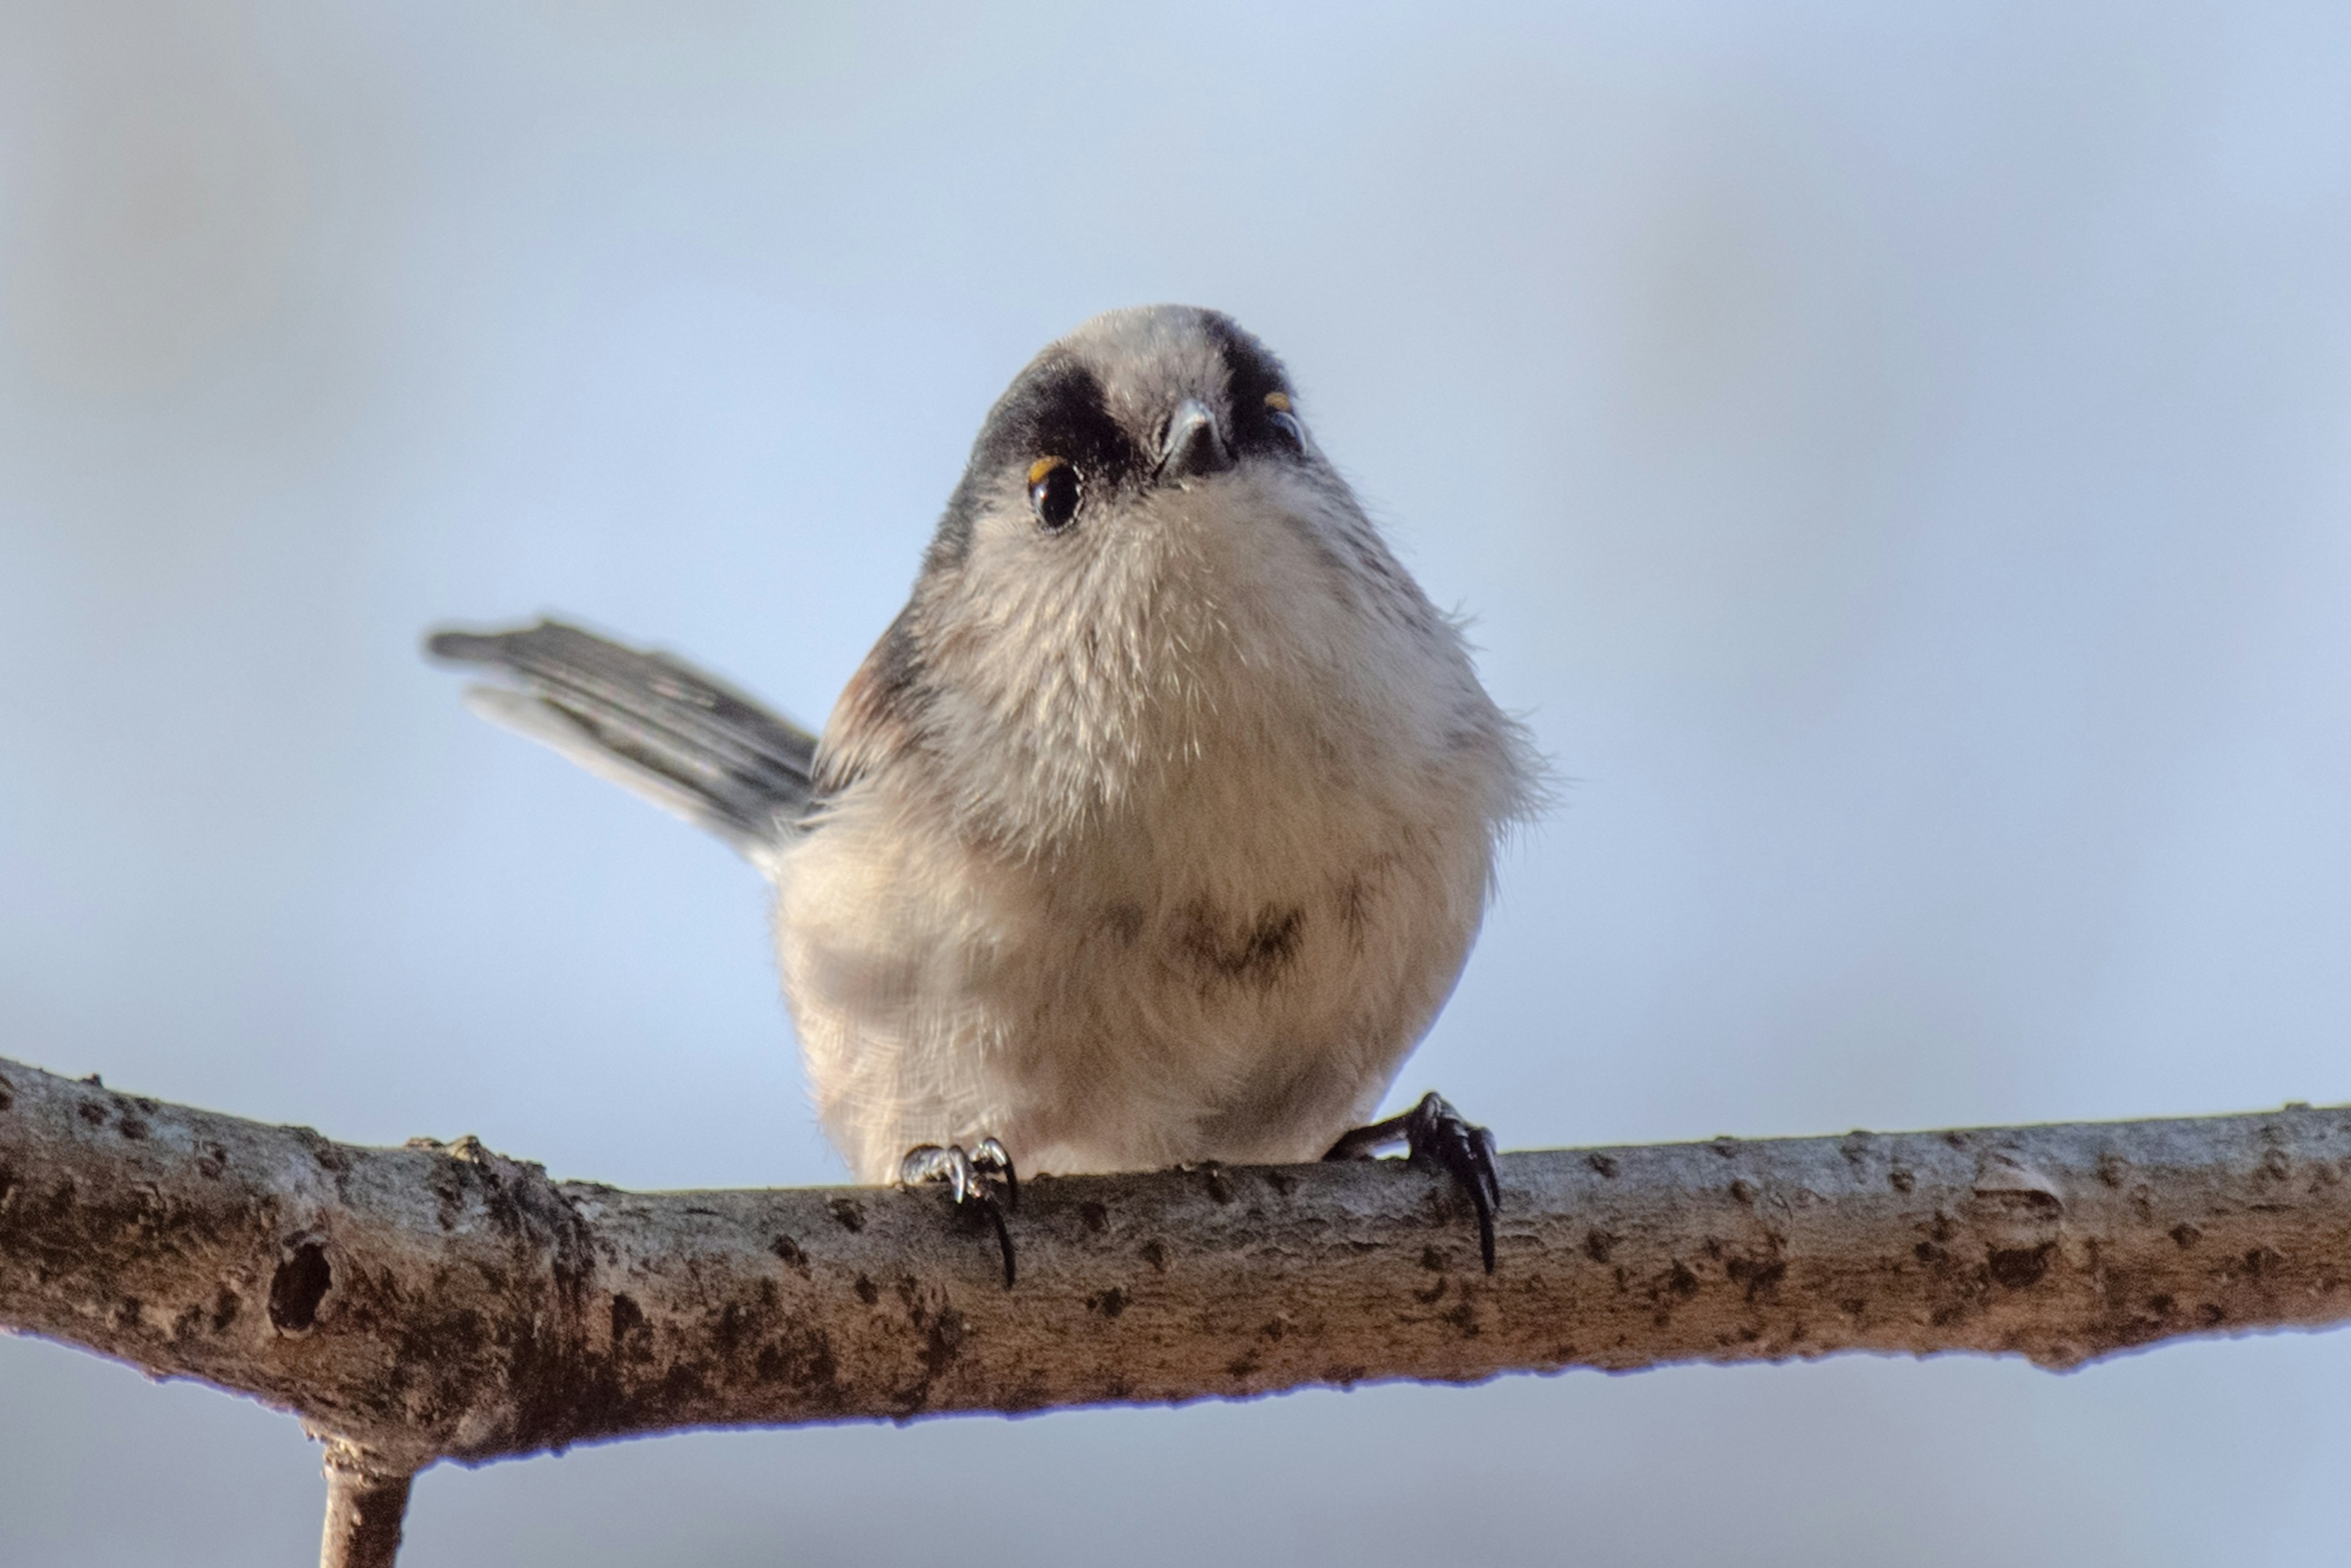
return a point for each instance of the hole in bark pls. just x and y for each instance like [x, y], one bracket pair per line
[300, 1283]
[2018, 1267]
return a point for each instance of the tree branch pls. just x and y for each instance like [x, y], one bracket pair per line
[447, 1302]
[365, 1506]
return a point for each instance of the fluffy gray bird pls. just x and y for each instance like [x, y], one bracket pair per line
[1155, 829]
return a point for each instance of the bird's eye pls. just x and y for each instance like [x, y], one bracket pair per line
[1277, 411]
[1053, 493]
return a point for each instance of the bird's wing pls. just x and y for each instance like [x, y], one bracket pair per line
[648, 722]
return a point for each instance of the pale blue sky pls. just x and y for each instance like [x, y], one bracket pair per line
[1898, 459]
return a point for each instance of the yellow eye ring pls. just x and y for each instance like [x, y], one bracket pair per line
[1053, 493]
[1276, 413]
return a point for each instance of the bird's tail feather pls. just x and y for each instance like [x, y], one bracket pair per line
[648, 722]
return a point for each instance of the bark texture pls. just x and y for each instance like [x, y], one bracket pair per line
[365, 1509]
[444, 1302]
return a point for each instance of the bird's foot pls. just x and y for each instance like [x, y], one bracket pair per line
[1434, 1133]
[973, 1178]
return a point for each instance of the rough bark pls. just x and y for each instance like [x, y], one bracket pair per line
[432, 1302]
[365, 1508]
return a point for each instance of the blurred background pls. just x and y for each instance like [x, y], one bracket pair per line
[1898, 457]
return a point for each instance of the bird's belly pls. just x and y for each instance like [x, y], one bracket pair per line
[1136, 1013]
[1247, 1023]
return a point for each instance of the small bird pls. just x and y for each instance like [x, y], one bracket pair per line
[1155, 829]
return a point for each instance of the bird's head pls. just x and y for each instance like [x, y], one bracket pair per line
[1147, 557]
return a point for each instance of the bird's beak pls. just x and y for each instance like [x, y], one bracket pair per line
[1193, 446]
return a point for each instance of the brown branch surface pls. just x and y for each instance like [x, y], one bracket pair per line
[365, 1509]
[434, 1301]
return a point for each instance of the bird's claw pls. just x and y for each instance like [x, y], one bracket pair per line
[1434, 1133]
[972, 1177]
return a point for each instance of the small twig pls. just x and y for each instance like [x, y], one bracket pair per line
[364, 1509]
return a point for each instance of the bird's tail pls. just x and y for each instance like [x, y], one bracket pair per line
[648, 722]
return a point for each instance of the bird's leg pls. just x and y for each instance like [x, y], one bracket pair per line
[972, 1179]
[1434, 1133]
